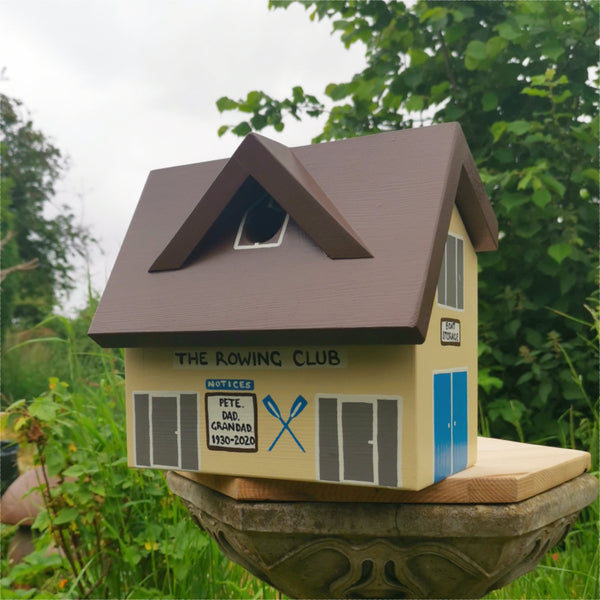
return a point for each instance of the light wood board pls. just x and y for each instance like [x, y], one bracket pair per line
[504, 472]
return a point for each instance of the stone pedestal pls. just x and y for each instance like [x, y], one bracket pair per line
[386, 550]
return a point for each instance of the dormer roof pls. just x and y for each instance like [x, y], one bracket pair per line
[359, 262]
[278, 171]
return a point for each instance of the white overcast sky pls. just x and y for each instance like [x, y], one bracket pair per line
[125, 86]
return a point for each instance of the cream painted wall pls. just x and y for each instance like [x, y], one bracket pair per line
[432, 356]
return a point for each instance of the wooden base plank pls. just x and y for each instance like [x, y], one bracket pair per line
[504, 472]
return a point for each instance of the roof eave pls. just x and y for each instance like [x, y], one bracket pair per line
[472, 200]
[334, 336]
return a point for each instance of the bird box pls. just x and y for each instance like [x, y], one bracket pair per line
[305, 313]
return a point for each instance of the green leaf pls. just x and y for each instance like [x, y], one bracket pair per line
[437, 14]
[528, 91]
[560, 251]
[44, 409]
[253, 100]
[476, 51]
[541, 197]
[494, 46]
[542, 79]
[509, 410]
[525, 378]
[55, 459]
[527, 229]
[66, 515]
[242, 129]
[298, 94]
[567, 280]
[508, 32]
[337, 91]
[526, 179]
[97, 489]
[553, 183]
[42, 521]
[453, 112]
[591, 174]
[519, 127]
[258, 122]
[454, 33]
[222, 130]
[553, 50]
[464, 11]
[75, 471]
[131, 554]
[512, 201]
[544, 390]
[417, 57]
[497, 129]
[488, 382]
[562, 97]
[341, 25]
[16, 405]
[438, 91]
[413, 77]
[504, 155]
[414, 103]
[224, 103]
[489, 101]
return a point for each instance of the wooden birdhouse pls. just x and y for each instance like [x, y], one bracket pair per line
[305, 313]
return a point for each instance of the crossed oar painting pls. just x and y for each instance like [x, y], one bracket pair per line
[297, 407]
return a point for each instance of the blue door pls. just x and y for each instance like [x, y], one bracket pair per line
[459, 421]
[442, 415]
[450, 423]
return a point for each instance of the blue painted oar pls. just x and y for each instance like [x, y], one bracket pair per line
[297, 407]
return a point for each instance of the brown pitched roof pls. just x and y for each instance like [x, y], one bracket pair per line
[379, 204]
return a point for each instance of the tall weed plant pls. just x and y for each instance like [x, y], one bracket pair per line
[107, 531]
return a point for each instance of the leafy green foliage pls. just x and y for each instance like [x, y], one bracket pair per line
[119, 531]
[516, 75]
[31, 166]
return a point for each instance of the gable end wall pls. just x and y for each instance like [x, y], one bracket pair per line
[431, 356]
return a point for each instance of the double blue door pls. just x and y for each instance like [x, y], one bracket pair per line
[450, 423]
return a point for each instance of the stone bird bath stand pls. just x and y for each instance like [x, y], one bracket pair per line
[461, 538]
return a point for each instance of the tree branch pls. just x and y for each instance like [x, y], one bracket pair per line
[26, 266]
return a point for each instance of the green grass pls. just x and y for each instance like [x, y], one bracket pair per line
[569, 570]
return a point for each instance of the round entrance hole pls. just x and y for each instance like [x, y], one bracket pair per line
[263, 220]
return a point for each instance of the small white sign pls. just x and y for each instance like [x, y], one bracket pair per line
[231, 422]
[450, 332]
